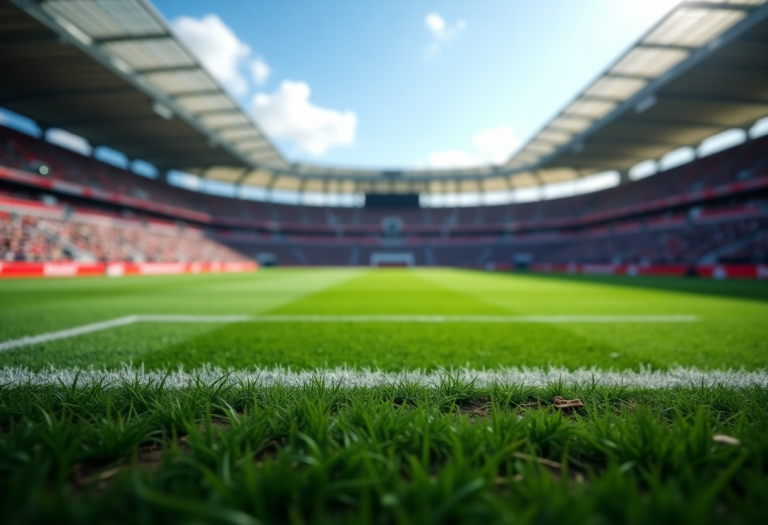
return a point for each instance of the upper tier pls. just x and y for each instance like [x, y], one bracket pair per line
[737, 170]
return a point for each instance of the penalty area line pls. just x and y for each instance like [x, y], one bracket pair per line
[120, 321]
[183, 318]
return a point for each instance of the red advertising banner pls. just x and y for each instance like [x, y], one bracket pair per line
[714, 271]
[117, 269]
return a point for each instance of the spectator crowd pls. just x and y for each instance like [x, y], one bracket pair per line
[31, 238]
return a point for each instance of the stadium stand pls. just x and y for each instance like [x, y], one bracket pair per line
[29, 154]
[710, 210]
[57, 234]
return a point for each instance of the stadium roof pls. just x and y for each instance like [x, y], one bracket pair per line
[113, 72]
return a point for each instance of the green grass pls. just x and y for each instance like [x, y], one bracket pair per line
[732, 332]
[390, 454]
[450, 452]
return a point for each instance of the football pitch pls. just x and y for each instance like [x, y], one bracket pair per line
[383, 396]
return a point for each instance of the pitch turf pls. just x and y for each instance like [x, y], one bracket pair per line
[462, 446]
[731, 331]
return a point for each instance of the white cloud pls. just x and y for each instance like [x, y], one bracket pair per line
[494, 146]
[289, 114]
[435, 23]
[221, 51]
[260, 71]
[68, 140]
[442, 33]
[454, 158]
[497, 143]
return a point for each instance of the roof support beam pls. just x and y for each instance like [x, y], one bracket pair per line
[539, 180]
[303, 185]
[226, 111]
[663, 122]
[672, 47]
[167, 69]
[714, 6]
[625, 75]
[254, 149]
[233, 126]
[133, 37]
[594, 98]
[195, 93]
[758, 71]
[740, 101]
[242, 176]
[616, 141]
[271, 182]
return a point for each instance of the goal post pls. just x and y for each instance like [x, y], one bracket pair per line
[392, 259]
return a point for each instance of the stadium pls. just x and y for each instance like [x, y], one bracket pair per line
[212, 331]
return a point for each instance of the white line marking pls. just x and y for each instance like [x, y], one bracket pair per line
[120, 321]
[550, 319]
[70, 332]
[685, 377]
[183, 318]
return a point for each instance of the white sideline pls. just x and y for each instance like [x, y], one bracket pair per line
[677, 377]
[70, 332]
[183, 318]
[550, 319]
[120, 321]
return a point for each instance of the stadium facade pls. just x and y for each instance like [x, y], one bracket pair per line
[115, 74]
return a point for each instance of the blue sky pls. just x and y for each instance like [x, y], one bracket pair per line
[407, 83]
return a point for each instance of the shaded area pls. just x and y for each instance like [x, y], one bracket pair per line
[737, 289]
[390, 291]
[34, 306]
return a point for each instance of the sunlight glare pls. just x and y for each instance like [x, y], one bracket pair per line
[651, 9]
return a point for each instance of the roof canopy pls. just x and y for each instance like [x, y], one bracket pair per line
[700, 71]
[113, 72]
